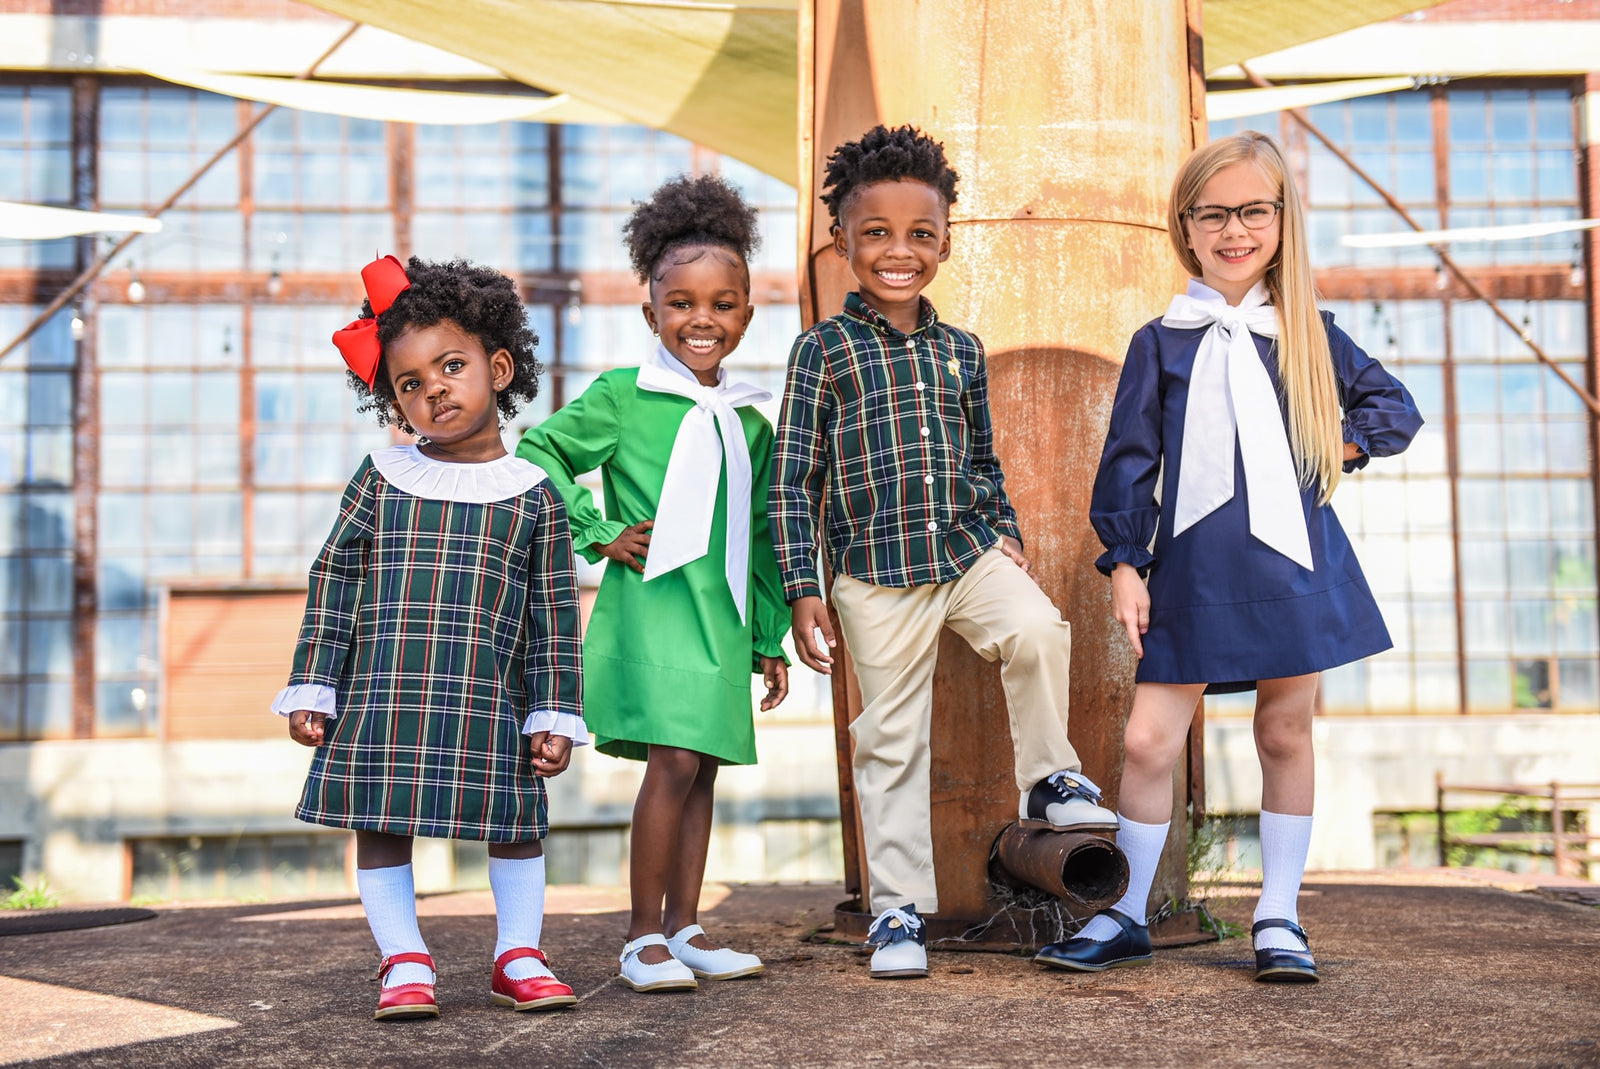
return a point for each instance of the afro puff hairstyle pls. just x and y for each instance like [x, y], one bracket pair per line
[481, 301]
[885, 155]
[689, 213]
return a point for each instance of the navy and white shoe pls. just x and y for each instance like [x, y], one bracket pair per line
[1280, 965]
[1066, 801]
[902, 941]
[1131, 946]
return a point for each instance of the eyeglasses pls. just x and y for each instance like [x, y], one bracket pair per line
[1257, 215]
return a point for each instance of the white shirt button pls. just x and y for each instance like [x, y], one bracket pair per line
[921, 386]
[911, 345]
[926, 432]
[933, 526]
[928, 479]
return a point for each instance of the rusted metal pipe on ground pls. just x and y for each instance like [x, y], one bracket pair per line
[1082, 868]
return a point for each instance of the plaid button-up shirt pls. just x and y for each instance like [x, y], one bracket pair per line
[894, 429]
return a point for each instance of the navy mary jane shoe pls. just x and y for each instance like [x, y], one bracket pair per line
[1131, 946]
[1284, 966]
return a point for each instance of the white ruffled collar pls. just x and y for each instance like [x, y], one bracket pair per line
[405, 467]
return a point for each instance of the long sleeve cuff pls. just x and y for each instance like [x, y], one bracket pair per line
[802, 585]
[1138, 556]
[312, 696]
[1358, 438]
[568, 725]
[596, 534]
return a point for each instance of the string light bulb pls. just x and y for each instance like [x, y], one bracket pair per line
[135, 289]
[76, 326]
[1441, 281]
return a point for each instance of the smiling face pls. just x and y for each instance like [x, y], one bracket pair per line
[895, 235]
[445, 389]
[700, 305]
[1235, 258]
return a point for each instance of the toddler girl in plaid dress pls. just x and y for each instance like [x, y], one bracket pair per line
[690, 603]
[438, 670]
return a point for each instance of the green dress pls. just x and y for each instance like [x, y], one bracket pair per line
[666, 662]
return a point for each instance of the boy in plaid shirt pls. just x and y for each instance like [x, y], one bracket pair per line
[885, 442]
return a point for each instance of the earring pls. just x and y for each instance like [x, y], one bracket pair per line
[655, 333]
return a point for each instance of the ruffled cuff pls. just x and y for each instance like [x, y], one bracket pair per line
[564, 724]
[767, 647]
[600, 533]
[312, 696]
[1358, 438]
[1138, 556]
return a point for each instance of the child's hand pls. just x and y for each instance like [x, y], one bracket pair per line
[1130, 604]
[1013, 549]
[551, 753]
[307, 728]
[775, 674]
[1351, 451]
[810, 617]
[630, 547]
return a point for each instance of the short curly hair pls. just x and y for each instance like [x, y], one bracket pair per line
[886, 155]
[687, 213]
[481, 301]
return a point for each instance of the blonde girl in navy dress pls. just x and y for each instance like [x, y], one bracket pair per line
[1226, 443]
[438, 670]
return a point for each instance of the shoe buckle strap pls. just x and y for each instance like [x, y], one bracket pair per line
[655, 939]
[392, 960]
[518, 953]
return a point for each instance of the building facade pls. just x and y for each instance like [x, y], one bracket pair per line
[173, 445]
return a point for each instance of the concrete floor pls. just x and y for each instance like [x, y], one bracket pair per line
[1421, 969]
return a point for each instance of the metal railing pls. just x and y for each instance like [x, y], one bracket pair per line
[1554, 798]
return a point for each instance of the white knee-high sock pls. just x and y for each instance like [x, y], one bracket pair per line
[1285, 841]
[1142, 844]
[389, 897]
[518, 885]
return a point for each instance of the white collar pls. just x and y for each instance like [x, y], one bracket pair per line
[407, 469]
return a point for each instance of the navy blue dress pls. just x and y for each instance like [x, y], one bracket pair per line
[1225, 609]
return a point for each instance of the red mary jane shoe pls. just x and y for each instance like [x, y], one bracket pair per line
[534, 993]
[405, 1001]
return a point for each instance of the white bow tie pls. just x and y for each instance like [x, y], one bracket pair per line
[682, 532]
[1231, 397]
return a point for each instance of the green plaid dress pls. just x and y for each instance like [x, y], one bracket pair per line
[441, 624]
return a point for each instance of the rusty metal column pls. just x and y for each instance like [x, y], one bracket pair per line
[1067, 122]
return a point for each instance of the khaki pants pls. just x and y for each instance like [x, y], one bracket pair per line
[893, 637]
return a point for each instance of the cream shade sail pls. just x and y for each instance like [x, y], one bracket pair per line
[37, 222]
[1464, 234]
[387, 104]
[725, 74]
[1239, 103]
[720, 74]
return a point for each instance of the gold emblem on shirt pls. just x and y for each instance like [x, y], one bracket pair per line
[954, 366]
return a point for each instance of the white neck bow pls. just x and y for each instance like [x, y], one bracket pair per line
[689, 495]
[1231, 397]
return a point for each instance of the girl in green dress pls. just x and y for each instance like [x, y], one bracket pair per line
[690, 603]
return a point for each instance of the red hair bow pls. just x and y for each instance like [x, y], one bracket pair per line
[385, 280]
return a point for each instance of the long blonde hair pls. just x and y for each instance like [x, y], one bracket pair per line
[1305, 366]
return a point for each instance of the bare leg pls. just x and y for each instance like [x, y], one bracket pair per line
[1157, 728]
[380, 850]
[669, 776]
[688, 870]
[1283, 743]
[517, 851]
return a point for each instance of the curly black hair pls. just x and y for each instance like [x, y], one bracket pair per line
[689, 213]
[886, 155]
[481, 301]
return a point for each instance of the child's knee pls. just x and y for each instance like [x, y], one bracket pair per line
[675, 764]
[1282, 738]
[1148, 745]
